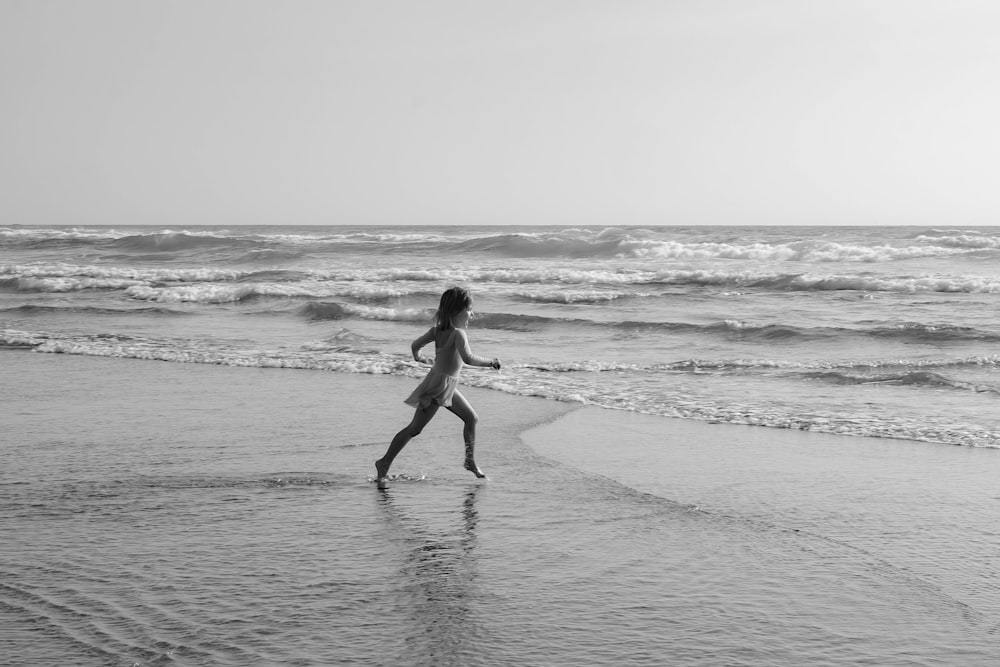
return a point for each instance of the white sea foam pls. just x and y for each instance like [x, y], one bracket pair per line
[71, 284]
[573, 296]
[967, 240]
[628, 246]
[201, 293]
[42, 233]
[209, 293]
[163, 274]
[18, 338]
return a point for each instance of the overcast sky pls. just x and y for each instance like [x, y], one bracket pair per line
[180, 112]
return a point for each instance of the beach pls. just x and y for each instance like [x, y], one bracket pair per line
[726, 285]
[162, 513]
[706, 446]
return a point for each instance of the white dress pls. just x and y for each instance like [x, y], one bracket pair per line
[441, 381]
[436, 387]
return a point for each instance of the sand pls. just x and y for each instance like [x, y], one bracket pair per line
[193, 514]
[928, 509]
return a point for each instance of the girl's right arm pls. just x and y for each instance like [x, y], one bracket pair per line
[423, 340]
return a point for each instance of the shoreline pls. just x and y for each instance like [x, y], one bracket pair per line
[487, 384]
[108, 398]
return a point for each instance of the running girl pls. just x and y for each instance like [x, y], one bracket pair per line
[440, 386]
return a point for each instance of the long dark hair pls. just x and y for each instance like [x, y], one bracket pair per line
[453, 301]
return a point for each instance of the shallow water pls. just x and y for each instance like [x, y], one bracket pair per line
[158, 513]
[927, 512]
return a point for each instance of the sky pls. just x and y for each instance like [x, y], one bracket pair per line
[528, 112]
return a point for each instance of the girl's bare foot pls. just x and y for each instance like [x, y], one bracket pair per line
[471, 466]
[381, 472]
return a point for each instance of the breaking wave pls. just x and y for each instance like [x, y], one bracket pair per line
[541, 283]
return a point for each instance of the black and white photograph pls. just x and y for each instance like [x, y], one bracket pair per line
[484, 333]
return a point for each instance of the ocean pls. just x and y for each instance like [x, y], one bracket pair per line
[707, 446]
[875, 331]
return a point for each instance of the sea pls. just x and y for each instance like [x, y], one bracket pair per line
[183, 483]
[872, 331]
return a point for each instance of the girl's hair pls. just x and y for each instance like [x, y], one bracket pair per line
[453, 301]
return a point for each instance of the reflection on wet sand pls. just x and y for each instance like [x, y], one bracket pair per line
[439, 575]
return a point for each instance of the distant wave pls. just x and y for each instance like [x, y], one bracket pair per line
[203, 293]
[69, 284]
[267, 275]
[268, 244]
[911, 331]
[822, 283]
[39, 235]
[247, 289]
[520, 322]
[177, 241]
[267, 256]
[544, 245]
[165, 240]
[96, 310]
[551, 284]
[375, 287]
[504, 321]
[317, 310]
[800, 251]
[769, 332]
[164, 274]
[201, 285]
[907, 377]
[76, 231]
[706, 278]
[915, 332]
[967, 240]
[568, 296]
[615, 243]
[933, 332]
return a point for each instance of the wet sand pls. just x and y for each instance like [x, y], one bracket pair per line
[196, 514]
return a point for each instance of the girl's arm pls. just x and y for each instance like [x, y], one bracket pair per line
[418, 343]
[462, 345]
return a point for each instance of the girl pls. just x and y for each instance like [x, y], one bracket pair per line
[440, 386]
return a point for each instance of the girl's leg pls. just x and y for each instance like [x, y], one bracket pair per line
[461, 407]
[420, 418]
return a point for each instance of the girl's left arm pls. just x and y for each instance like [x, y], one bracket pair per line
[462, 345]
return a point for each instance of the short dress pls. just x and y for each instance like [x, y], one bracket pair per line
[435, 388]
[438, 386]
